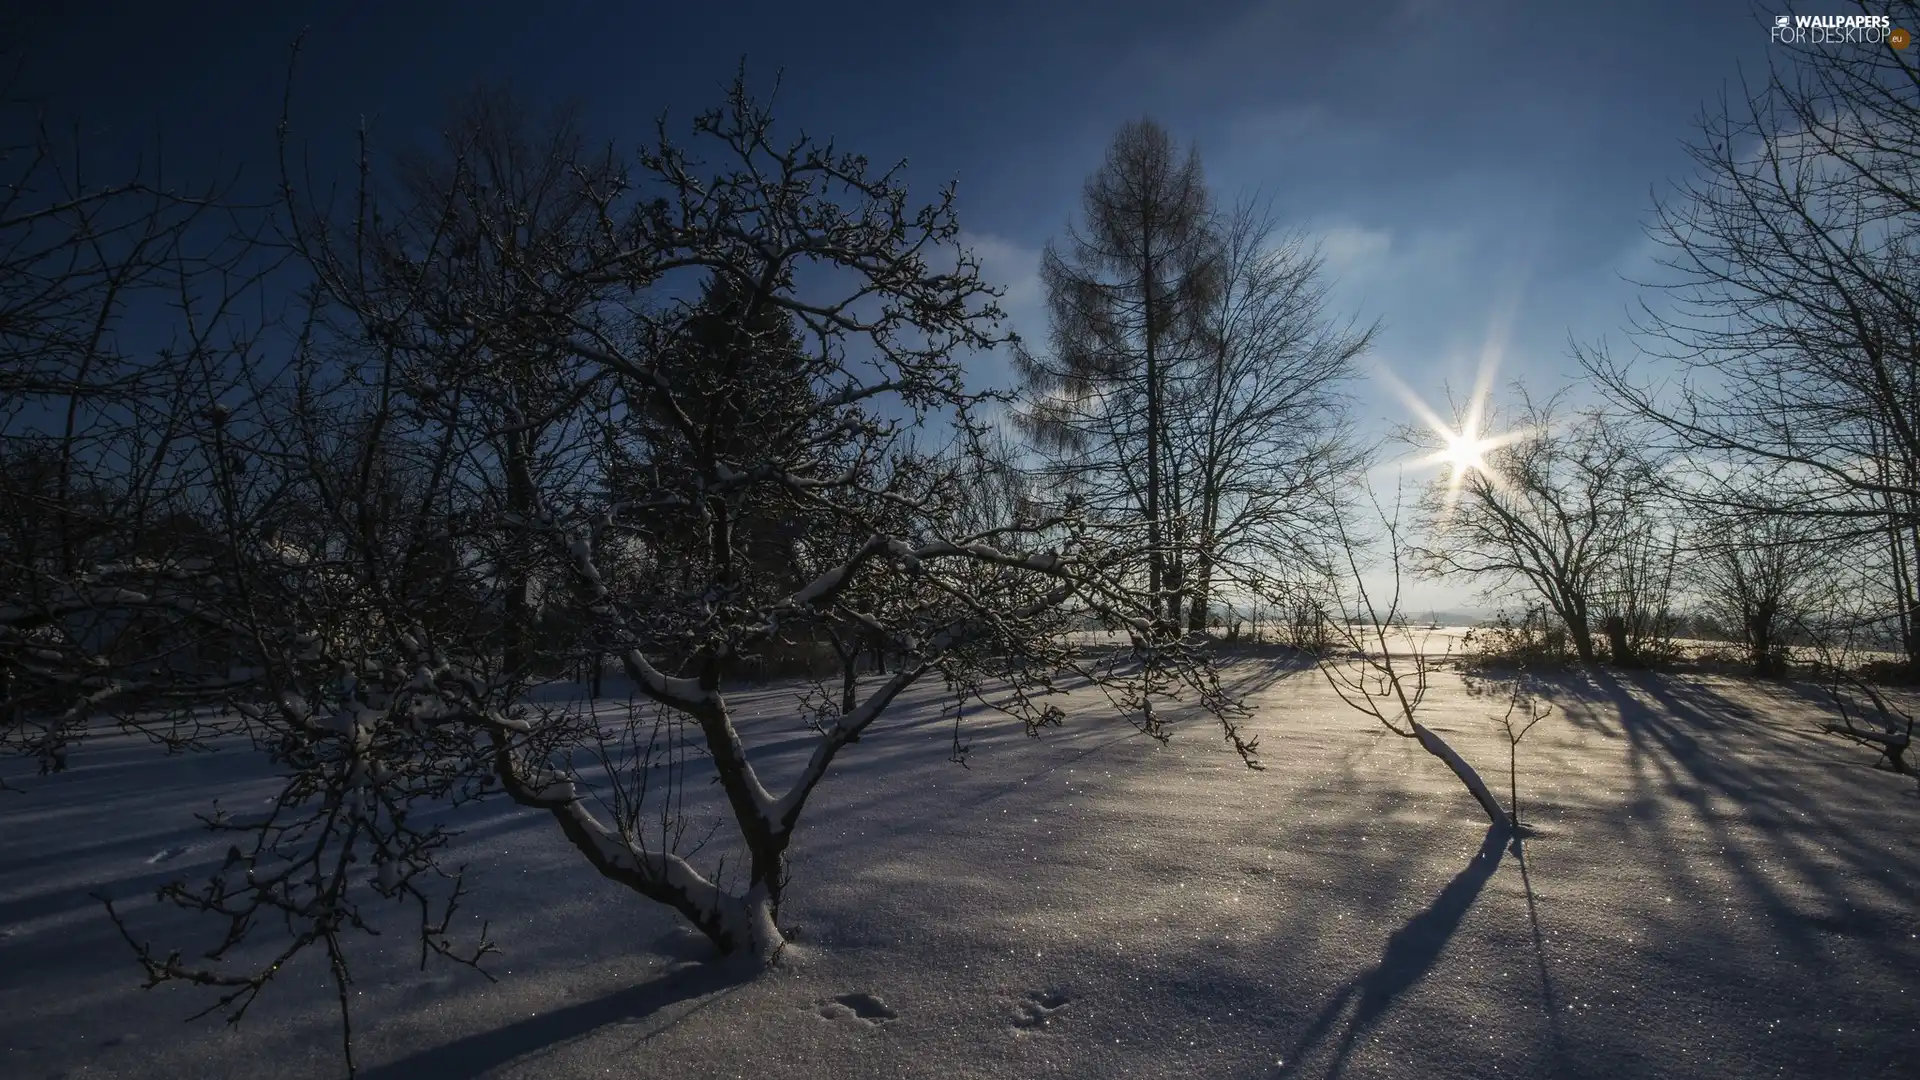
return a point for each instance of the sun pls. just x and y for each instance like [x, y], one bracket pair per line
[1463, 445]
[1465, 452]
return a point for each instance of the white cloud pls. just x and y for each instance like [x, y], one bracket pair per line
[1369, 264]
[1014, 268]
[1353, 250]
[1011, 266]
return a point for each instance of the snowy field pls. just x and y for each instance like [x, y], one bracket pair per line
[1714, 890]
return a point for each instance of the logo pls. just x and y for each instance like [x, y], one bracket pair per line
[1838, 30]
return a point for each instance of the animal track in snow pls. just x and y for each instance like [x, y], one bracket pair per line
[1038, 1009]
[859, 1007]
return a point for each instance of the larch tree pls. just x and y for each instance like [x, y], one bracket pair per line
[1194, 388]
[1123, 296]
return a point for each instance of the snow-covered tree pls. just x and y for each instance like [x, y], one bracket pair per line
[538, 385]
[1374, 666]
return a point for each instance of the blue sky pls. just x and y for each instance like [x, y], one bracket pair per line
[1474, 169]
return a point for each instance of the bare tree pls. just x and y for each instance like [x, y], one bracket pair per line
[1377, 669]
[1524, 710]
[1552, 509]
[1762, 575]
[1259, 417]
[535, 377]
[112, 299]
[1638, 595]
[1794, 325]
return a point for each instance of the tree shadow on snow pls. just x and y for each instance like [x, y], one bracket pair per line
[1247, 669]
[480, 1053]
[1410, 953]
[1690, 746]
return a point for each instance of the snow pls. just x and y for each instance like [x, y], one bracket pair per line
[1715, 889]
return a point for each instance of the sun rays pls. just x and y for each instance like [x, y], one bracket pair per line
[1465, 441]
[1463, 449]
[1464, 452]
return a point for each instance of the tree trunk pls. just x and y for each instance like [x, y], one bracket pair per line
[760, 934]
[1176, 587]
[1156, 558]
[518, 609]
[849, 654]
[1204, 550]
[746, 925]
[1202, 588]
[1913, 637]
[1582, 635]
[1907, 604]
[1616, 630]
[1435, 745]
[757, 930]
[1760, 643]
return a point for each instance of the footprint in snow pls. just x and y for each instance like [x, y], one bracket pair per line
[861, 1008]
[1038, 1009]
[168, 855]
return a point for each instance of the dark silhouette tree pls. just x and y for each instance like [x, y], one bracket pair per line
[1123, 296]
